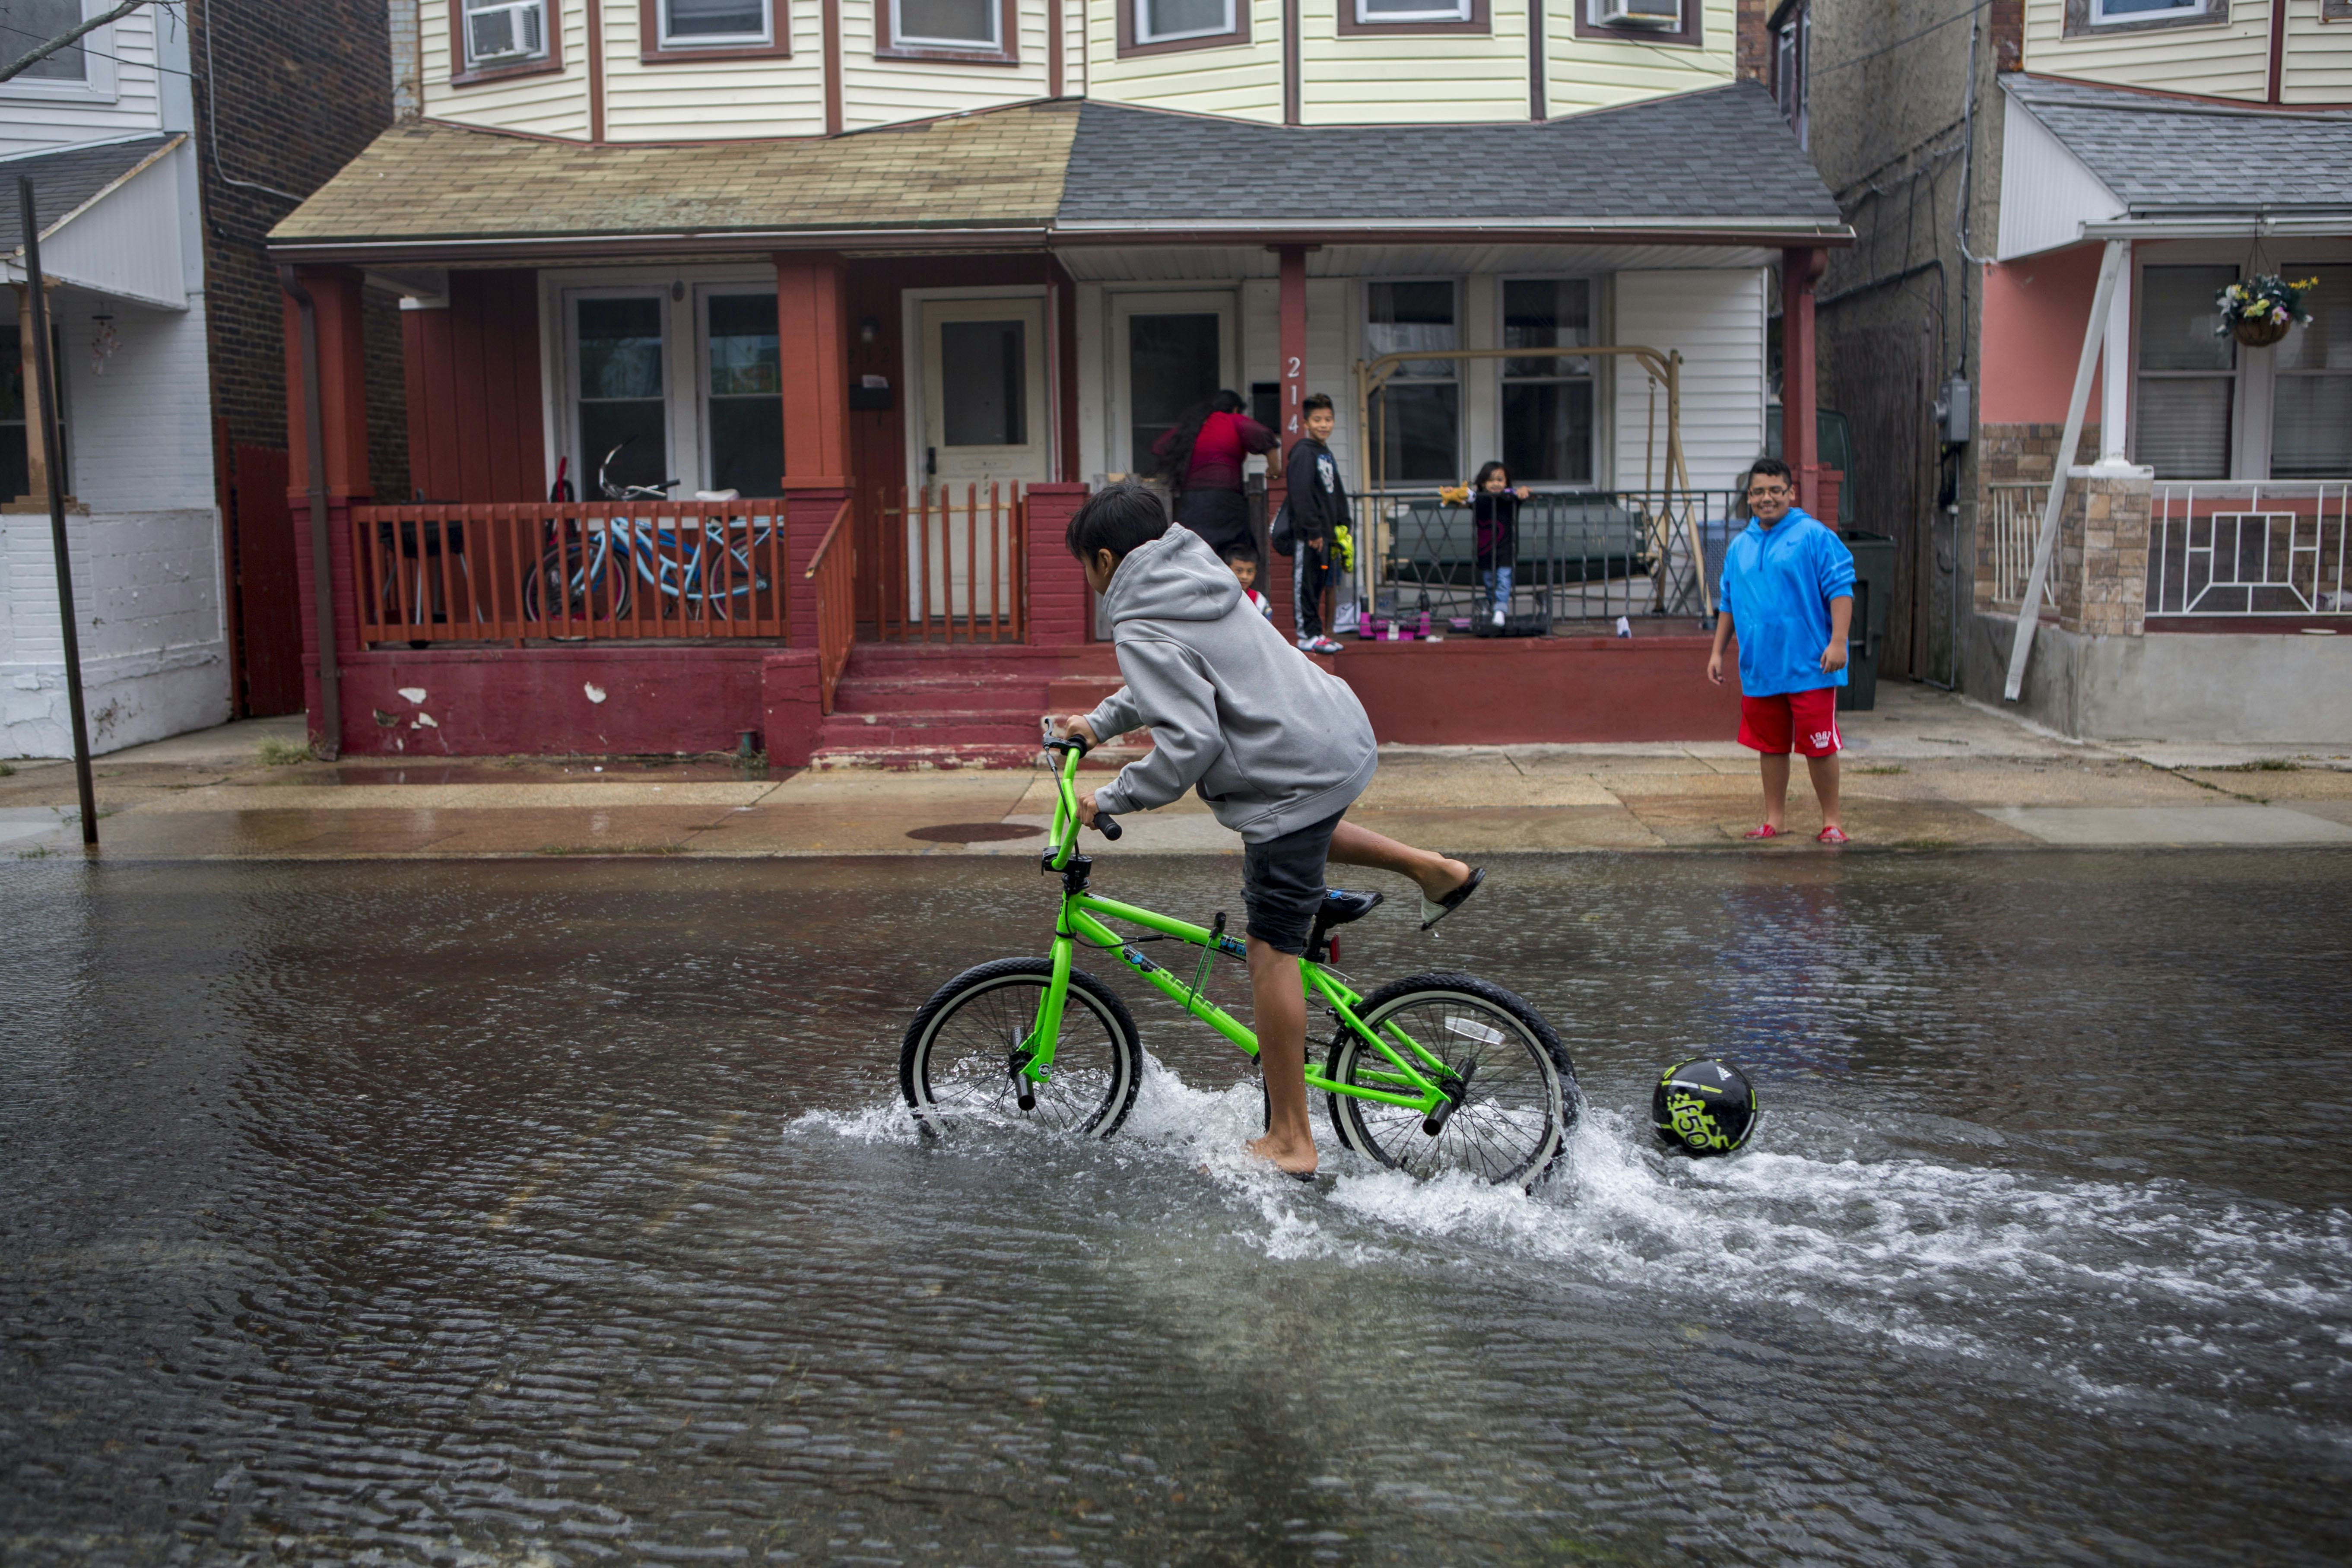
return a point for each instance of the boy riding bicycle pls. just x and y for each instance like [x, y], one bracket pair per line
[1278, 747]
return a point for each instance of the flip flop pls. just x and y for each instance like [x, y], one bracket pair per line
[1830, 835]
[1434, 911]
[1762, 830]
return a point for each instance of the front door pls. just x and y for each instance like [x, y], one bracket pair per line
[984, 422]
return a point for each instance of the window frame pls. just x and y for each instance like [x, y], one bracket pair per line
[2082, 19]
[1469, 16]
[2282, 376]
[99, 82]
[1593, 375]
[1692, 34]
[1455, 379]
[1131, 43]
[1005, 52]
[654, 47]
[706, 427]
[463, 73]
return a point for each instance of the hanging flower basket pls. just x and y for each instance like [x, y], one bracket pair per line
[2259, 310]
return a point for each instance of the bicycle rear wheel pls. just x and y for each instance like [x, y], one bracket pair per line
[567, 587]
[961, 1052]
[1521, 1096]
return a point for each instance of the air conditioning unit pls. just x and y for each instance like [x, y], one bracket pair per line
[517, 30]
[1666, 14]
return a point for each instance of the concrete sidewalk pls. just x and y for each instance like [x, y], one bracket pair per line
[1926, 771]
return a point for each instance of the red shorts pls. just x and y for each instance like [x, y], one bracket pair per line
[1801, 722]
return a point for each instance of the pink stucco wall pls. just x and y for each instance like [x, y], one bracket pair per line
[2034, 312]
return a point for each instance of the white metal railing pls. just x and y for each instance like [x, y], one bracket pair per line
[2013, 518]
[2248, 549]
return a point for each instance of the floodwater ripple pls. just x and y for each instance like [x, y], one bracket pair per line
[564, 1214]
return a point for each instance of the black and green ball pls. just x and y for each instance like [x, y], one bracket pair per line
[1704, 1106]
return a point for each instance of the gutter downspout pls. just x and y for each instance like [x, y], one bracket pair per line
[330, 743]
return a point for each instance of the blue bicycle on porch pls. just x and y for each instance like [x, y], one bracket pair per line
[593, 568]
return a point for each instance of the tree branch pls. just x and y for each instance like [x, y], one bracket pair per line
[70, 36]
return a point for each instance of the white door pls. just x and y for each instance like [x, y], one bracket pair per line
[985, 420]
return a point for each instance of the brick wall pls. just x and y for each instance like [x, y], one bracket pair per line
[284, 105]
[1752, 44]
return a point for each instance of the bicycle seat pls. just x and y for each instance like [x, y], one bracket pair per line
[1340, 907]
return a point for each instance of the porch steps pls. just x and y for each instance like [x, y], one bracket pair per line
[914, 707]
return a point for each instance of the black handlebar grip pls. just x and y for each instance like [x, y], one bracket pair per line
[1107, 825]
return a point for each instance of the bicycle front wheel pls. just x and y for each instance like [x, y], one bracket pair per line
[1520, 1096]
[961, 1058]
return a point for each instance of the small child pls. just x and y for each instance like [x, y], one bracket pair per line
[1242, 562]
[1495, 507]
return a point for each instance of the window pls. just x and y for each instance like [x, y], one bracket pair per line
[622, 398]
[1372, 13]
[1792, 51]
[1548, 399]
[2311, 407]
[2103, 12]
[2188, 376]
[983, 384]
[492, 38]
[30, 23]
[743, 414]
[1166, 21]
[961, 25]
[1417, 416]
[689, 23]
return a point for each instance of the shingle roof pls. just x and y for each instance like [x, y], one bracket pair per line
[1723, 154]
[428, 181]
[64, 180]
[2165, 157]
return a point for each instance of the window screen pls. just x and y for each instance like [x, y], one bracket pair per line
[2188, 375]
[1157, 21]
[1548, 400]
[621, 402]
[699, 21]
[28, 23]
[1417, 416]
[966, 23]
[2311, 409]
[746, 410]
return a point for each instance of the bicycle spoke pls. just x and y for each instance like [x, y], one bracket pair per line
[1503, 1127]
[968, 1064]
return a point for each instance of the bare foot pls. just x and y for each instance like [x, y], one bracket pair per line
[1293, 1159]
[1449, 876]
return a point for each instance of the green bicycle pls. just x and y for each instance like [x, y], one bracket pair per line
[1433, 1072]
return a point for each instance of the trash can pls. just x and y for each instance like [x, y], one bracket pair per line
[1873, 590]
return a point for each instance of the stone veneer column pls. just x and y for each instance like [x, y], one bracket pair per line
[2101, 572]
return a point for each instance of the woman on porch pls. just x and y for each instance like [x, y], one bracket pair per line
[1203, 457]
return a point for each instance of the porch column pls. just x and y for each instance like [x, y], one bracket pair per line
[2114, 374]
[1291, 343]
[813, 353]
[335, 295]
[35, 498]
[1799, 435]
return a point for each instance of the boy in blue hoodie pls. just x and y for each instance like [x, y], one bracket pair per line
[1787, 593]
[1278, 746]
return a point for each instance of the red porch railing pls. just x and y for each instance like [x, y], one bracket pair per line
[834, 569]
[572, 570]
[953, 569]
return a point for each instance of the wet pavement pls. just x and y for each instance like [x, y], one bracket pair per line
[561, 1211]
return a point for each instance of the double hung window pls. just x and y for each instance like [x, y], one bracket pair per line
[2188, 379]
[2311, 402]
[1417, 417]
[975, 25]
[712, 24]
[620, 397]
[1170, 21]
[1374, 13]
[26, 24]
[1548, 399]
[2107, 12]
[743, 412]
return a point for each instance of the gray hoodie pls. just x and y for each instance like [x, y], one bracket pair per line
[1273, 742]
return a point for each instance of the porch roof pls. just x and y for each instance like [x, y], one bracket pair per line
[1720, 161]
[437, 190]
[2181, 158]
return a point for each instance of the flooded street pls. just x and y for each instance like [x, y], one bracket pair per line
[564, 1211]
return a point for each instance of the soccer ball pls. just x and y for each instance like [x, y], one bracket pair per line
[1704, 1106]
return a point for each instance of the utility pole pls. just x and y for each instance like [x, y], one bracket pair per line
[53, 453]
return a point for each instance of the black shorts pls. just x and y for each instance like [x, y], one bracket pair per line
[1282, 883]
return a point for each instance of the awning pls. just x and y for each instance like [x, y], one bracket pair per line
[109, 216]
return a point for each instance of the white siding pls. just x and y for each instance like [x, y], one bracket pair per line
[2046, 192]
[1413, 78]
[2318, 57]
[1602, 73]
[555, 104]
[690, 101]
[1717, 319]
[123, 99]
[1243, 80]
[891, 92]
[141, 436]
[129, 243]
[2231, 60]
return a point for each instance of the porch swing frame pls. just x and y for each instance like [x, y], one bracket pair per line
[1664, 367]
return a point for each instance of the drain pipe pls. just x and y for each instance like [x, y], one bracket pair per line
[330, 743]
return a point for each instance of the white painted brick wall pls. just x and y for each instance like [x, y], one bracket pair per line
[146, 557]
